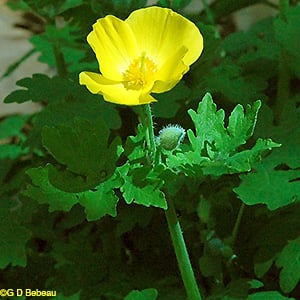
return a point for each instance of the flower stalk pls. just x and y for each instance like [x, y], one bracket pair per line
[184, 263]
[148, 123]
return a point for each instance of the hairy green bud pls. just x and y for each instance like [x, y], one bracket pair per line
[170, 137]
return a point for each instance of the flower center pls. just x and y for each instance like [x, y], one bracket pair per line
[139, 73]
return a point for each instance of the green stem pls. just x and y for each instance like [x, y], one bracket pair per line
[184, 263]
[237, 223]
[60, 61]
[150, 130]
[14, 66]
[182, 256]
[283, 85]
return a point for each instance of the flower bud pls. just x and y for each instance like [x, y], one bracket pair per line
[170, 137]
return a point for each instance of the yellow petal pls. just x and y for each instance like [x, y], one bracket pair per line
[114, 91]
[114, 45]
[170, 72]
[160, 32]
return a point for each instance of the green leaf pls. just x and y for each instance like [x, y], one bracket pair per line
[256, 53]
[234, 290]
[68, 181]
[175, 4]
[68, 4]
[270, 235]
[260, 269]
[252, 45]
[62, 297]
[12, 151]
[77, 255]
[289, 261]
[41, 88]
[279, 188]
[255, 284]
[62, 39]
[14, 237]
[271, 295]
[131, 216]
[277, 176]
[82, 150]
[97, 202]
[228, 80]
[288, 134]
[288, 36]
[250, 60]
[215, 149]
[148, 195]
[87, 106]
[147, 294]
[135, 145]
[244, 160]
[204, 210]
[209, 124]
[5, 166]
[241, 125]
[44, 192]
[127, 5]
[49, 9]
[102, 201]
[12, 126]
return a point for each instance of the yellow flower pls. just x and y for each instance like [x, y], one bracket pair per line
[147, 53]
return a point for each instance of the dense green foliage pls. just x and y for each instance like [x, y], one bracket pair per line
[81, 206]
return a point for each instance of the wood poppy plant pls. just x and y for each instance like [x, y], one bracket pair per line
[147, 53]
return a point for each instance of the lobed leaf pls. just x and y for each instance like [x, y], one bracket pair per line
[279, 188]
[12, 126]
[83, 150]
[147, 294]
[277, 176]
[270, 295]
[147, 195]
[14, 237]
[102, 201]
[97, 203]
[45, 193]
[215, 148]
[289, 261]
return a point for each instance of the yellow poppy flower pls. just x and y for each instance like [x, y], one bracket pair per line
[147, 53]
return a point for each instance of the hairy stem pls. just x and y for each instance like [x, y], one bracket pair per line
[182, 256]
[150, 131]
[184, 263]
